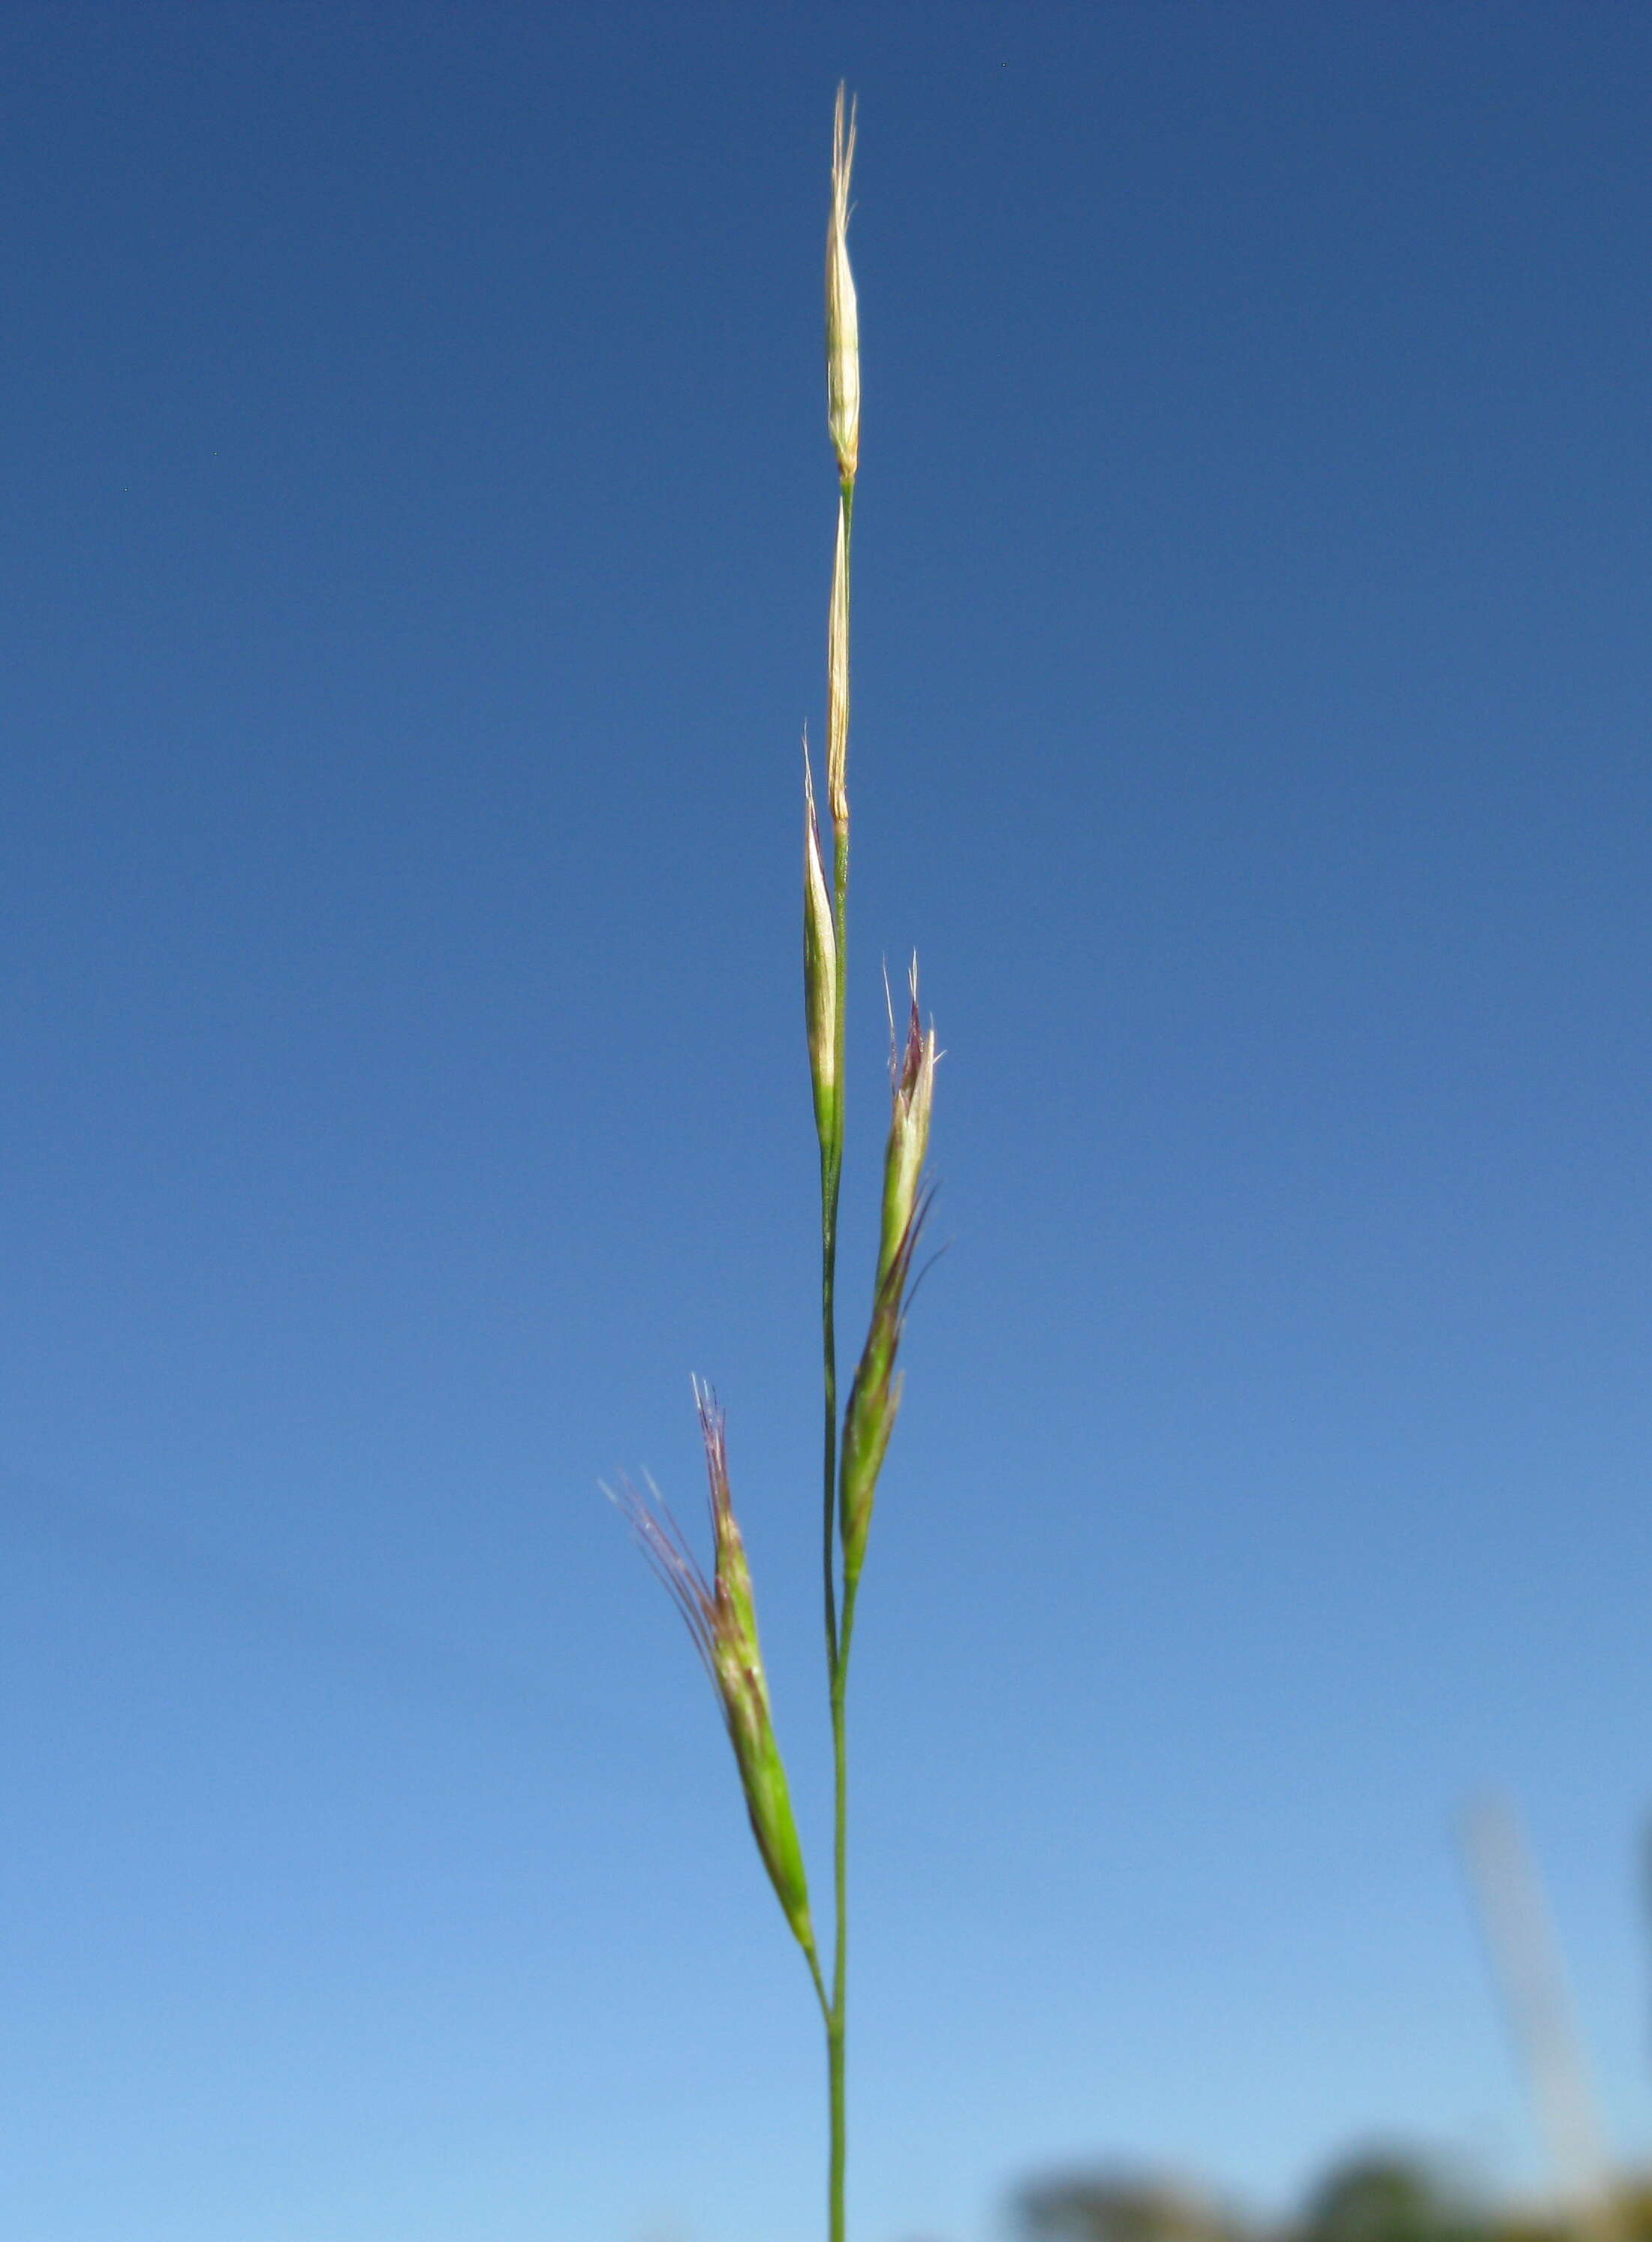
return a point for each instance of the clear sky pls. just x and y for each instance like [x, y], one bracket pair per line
[418, 511]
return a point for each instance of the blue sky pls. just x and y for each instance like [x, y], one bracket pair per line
[418, 529]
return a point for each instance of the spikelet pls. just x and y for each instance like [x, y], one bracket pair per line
[721, 1618]
[842, 315]
[912, 1081]
[820, 972]
[837, 681]
[875, 1399]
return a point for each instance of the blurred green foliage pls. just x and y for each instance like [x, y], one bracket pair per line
[1371, 2197]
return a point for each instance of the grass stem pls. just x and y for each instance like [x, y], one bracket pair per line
[837, 1642]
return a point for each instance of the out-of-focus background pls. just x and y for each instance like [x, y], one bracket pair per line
[418, 515]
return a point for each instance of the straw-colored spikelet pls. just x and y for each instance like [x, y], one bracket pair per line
[820, 970]
[842, 316]
[722, 1619]
[838, 682]
[912, 1079]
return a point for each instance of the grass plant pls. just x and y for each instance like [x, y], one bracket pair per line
[720, 1612]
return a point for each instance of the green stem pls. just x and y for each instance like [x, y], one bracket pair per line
[821, 1995]
[840, 1867]
[831, 1171]
[831, 1163]
[836, 1643]
[835, 2022]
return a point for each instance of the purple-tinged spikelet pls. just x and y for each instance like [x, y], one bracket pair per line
[721, 1615]
[912, 1085]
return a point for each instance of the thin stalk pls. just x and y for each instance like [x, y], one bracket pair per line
[821, 1995]
[840, 1867]
[831, 1164]
[836, 1643]
[831, 1171]
[835, 2020]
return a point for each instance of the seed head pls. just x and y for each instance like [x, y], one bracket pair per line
[837, 681]
[912, 1081]
[721, 1618]
[843, 318]
[875, 1398]
[820, 969]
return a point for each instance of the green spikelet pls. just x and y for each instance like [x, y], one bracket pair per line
[721, 1615]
